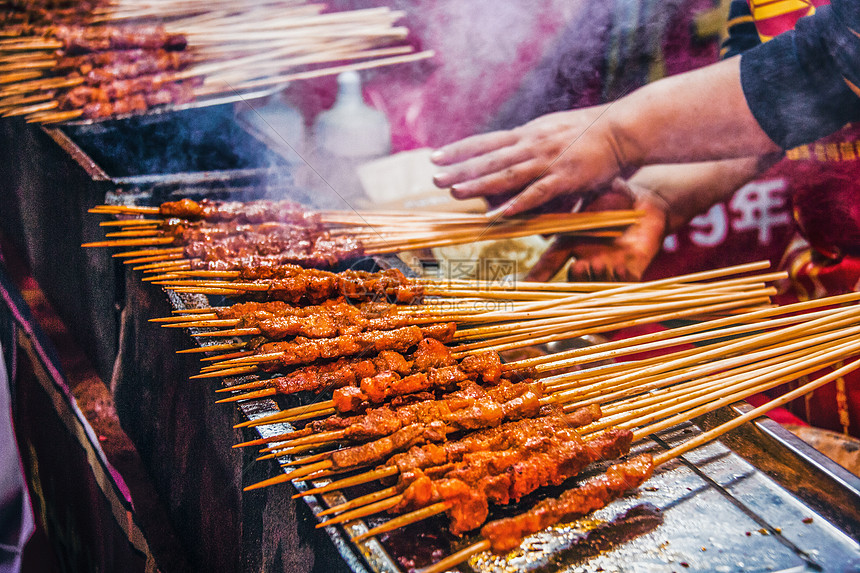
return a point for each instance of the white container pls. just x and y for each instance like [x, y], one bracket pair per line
[347, 136]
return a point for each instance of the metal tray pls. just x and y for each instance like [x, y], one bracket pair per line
[759, 500]
[179, 148]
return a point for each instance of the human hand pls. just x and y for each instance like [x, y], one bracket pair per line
[565, 152]
[624, 259]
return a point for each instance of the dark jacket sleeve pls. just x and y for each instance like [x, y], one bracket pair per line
[742, 33]
[798, 85]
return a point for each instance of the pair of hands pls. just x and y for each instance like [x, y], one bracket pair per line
[571, 152]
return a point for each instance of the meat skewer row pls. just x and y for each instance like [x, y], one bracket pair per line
[115, 97]
[355, 380]
[244, 313]
[265, 317]
[477, 330]
[408, 390]
[100, 67]
[558, 330]
[505, 534]
[75, 39]
[472, 407]
[427, 445]
[100, 102]
[386, 385]
[217, 87]
[260, 211]
[273, 356]
[423, 456]
[120, 96]
[373, 238]
[108, 77]
[334, 317]
[285, 245]
[421, 423]
[358, 382]
[313, 286]
[345, 374]
[467, 487]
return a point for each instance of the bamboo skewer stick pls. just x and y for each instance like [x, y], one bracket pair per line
[693, 329]
[717, 351]
[632, 287]
[763, 379]
[357, 502]
[755, 413]
[335, 70]
[559, 333]
[406, 519]
[352, 481]
[370, 509]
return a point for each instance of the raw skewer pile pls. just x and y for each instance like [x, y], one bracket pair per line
[117, 62]
[253, 237]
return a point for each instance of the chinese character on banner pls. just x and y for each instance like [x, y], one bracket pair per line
[710, 229]
[760, 206]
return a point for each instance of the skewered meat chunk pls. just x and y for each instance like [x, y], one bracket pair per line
[431, 353]
[422, 438]
[472, 407]
[507, 534]
[323, 321]
[240, 212]
[82, 39]
[343, 372]
[380, 450]
[509, 435]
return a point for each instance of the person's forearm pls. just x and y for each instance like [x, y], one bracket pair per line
[690, 189]
[708, 117]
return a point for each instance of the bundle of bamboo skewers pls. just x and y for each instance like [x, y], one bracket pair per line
[178, 238]
[325, 341]
[117, 61]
